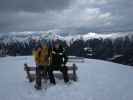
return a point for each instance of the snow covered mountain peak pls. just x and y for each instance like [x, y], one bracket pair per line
[28, 35]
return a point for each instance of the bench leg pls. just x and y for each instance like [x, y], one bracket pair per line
[74, 73]
[28, 73]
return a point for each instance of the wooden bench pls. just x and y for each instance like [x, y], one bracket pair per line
[30, 71]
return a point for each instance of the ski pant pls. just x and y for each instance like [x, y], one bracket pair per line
[57, 67]
[40, 71]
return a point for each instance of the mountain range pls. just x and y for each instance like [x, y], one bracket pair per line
[26, 36]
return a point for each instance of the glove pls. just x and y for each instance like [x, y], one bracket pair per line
[60, 54]
[62, 65]
[53, 52]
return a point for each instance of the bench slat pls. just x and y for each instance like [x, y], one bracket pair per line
[33, 68]
[56, 75]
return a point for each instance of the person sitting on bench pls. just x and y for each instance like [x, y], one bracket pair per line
[58, 59]
[42, 60]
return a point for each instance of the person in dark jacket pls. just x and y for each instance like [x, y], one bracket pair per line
[58, 60]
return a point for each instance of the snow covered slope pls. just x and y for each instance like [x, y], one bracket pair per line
[98, 80]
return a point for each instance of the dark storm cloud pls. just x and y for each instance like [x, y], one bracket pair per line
[32, 5]
[75, 16]
[20, 15]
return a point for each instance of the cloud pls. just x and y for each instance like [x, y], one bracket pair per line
[32, 5]
[74, 16]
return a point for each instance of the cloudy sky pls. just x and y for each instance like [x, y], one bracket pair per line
[76, 16]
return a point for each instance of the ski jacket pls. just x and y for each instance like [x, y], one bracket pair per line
[42, 56]
[58, 56]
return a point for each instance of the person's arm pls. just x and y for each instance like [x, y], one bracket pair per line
[65, 57]
[36, 57]
[50, 57]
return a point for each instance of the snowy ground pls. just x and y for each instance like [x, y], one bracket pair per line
[98, 80]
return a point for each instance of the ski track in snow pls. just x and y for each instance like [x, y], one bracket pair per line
[97, 80]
